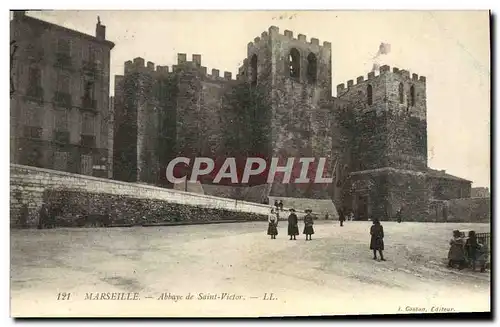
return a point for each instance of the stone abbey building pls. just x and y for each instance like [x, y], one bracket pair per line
[374, 132]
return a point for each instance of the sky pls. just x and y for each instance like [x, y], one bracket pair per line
[450, 48]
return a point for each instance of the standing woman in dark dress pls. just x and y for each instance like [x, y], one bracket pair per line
[293, 224]
[273, 224]
[308, 225]
[377, 239]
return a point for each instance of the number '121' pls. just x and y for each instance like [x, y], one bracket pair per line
[63, 296]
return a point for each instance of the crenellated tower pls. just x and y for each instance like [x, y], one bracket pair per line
[294, 75]
[391, 119]
[388, 149]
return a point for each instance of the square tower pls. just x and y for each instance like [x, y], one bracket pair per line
[390, 128]
[388, 150]
[294, 77]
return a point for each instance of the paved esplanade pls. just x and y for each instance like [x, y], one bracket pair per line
[229, 268]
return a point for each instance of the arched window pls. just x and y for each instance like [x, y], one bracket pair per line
[401, 93]
[294, 63]
[312, 68]
[253, 69]
[369, 95]
[412, 95]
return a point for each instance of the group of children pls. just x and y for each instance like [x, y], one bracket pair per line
[293, 224]
[462, 253]
[469, 252]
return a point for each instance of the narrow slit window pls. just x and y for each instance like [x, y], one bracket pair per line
[294, 62]
[369, 95]
[253, 66]
[401, 93]
[412, 95]
[312, 68]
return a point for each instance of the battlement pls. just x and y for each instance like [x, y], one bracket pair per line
[273, 31]
[383, 70]
[215, 76]
[140, 65]
[405, 74]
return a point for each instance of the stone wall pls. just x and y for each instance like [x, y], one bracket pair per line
[408, 189]
[461, 210]
[447, 188]
[31, 186]
[480, 192]
[379, 193]
[255, 194]
[319, 207]
[469, 210]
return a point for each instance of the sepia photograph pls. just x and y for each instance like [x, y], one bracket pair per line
[249, 163]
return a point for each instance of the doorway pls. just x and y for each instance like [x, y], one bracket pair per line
[362, 207]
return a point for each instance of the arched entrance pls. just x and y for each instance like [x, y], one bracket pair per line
[361, 201]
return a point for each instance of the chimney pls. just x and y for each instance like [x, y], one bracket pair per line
[100, 30]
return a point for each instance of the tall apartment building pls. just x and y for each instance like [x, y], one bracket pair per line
[60, 102]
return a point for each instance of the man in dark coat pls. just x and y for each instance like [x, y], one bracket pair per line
[308, 225]
[293, 224]
[341, 217]
[377, 239]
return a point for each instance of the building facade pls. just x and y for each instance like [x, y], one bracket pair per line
[373, 133]
[480, 192]
[60, 103]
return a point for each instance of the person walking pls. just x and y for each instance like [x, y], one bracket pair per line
[377, 239]
[341, 217]
[308, 225]
[293, 225]
[399, 215]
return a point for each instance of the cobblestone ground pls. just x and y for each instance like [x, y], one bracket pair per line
[332, 274]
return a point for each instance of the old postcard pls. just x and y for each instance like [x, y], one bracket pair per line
[249, 163]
